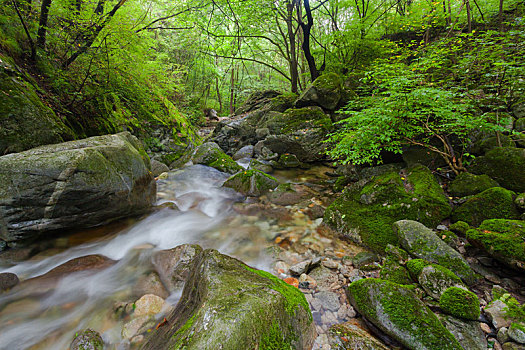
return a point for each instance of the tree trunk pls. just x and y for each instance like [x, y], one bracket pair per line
[232, 91]
[500, 14]
[42, 25]
[469, 16]
[294, 74]
[307, 27]
[31, 42]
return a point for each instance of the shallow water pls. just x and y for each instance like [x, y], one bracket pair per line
[31, 318]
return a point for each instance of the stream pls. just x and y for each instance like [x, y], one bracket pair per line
[29, 320]
[37, 316]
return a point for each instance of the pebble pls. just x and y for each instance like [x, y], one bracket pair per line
[331, 264]
[485, 328]
[300, 268]
[292, 281]
[516, 332]
[148, 304]
[282, 267]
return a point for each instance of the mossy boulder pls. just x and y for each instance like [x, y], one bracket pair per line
[300, 132]
[520, 201]
[75, 184]
[494, 203]
[491, 142]
[436, 279]
[25, 122]
[326, 92]
[459, 227]
[88, 339]
[467, 184]
[397, 311]
[228, 305]
[392, 271]
[251, 182]
[505, 165]
[289, 194]
[502, 239]
[347, 336]
[366, 210]
[461, 303]
[211, 154]
[519, 125]
[415, 266]
[423, 243]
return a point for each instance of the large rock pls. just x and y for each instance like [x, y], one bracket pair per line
[73, 185]
[423, 243]
[347, 336]
[505, 165]
[298, 131]
[211, 154]
[467, 184]
[367, 209]
[502, 239]
[251, 182]
[397, 311]
[25, 122]
[228, 305]
[468, 333]
[494, 203]
[326, 91]
[436, 279]
[173, 265]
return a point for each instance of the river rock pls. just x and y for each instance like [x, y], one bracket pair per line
[211, 154]
[137, 326]
[173, 265]
[73, 185]
[505, 165]
[367, 209]
[288, 194]
[329, 300]
[148, 304]
[150, 284]
[516, 332]
[326, 92]
[25, 122]
[398, 312]
[423, 243]
[347, 336]
[226, 304]
[8, 280]
[158, 168]
[467, 184]
[244, 152]
[494, 203]
[251, 182]
[468, 333]
[496, 314]
[502, 239]
[88, 339]
[436, 279]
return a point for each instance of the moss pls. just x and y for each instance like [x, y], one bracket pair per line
[505, 165]
[274, 339]
[467, 184]
[394, 272]
[181, 332]
[415, 266]
[448, 237]
[399, 312]
[494, 203]
[283, 102]
[292, 295]
[366, 210]
[396, 252]
[251, 182]
[305, 118]
[460, 227]
[504, 239]
[460, 303]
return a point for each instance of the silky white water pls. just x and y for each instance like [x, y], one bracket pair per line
[31, 318]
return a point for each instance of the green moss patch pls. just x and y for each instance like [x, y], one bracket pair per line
[460, 303]
[397, 311]
[503, 239]
[367, 209]
[415, 266]
[494, 203]
[467, 184]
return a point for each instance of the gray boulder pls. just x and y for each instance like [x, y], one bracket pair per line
[251, 182]
[423, 243]
[505, 165]
[211, 154]
[347, 336]
[173, 265]
[397, 311]
[75, 184]
[326, 91]
[228, 305]
[468, 333]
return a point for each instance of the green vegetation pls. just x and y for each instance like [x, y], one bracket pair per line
[461, 303]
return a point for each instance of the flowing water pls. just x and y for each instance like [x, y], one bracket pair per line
[40, 316]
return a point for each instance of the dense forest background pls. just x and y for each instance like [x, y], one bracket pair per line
[105, 65]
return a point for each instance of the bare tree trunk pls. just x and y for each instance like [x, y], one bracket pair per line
[469, 16]
[307, 27]
[500, 14]
[232, 91]
[31, 42]
[42, 25]
[294, 74]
